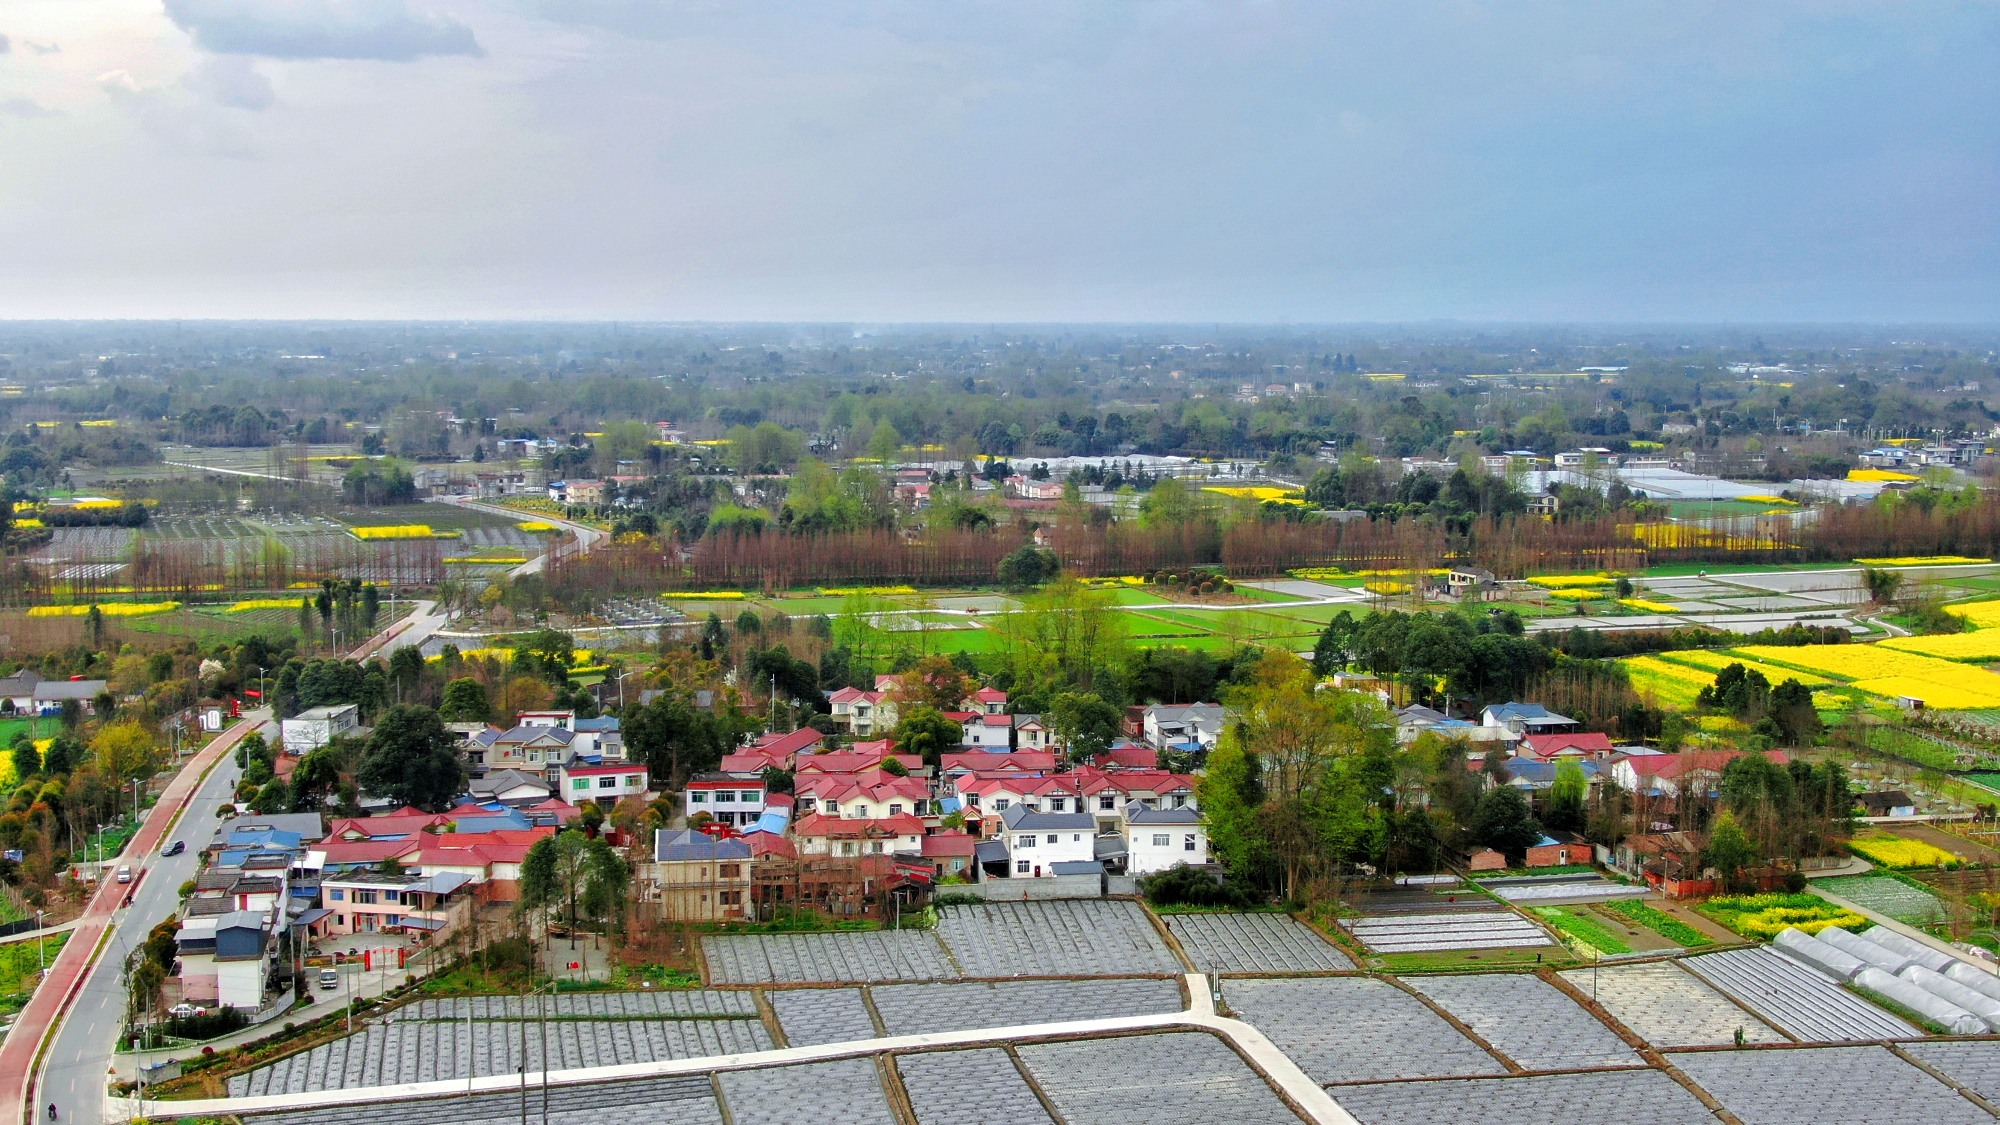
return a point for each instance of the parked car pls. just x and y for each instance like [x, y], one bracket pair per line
[176, 848]
[329, 979]
[183, 1010]
[125, 874]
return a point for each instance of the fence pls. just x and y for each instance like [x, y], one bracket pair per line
[1047, 887]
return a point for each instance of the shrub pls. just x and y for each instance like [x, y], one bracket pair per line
[1181, 885]
[209, 1025]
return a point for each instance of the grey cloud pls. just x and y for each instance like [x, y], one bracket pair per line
[386, 30]
[49, 48]
[5, 45]
[22, 107]
[232, 81]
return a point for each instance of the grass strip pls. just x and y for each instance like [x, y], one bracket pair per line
[1582, 928]
[1660, 922]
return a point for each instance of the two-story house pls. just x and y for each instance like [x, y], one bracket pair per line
[226, 959]
[819, 834]
[696, 878]
[605, 784]
[525, 746]
[1167, 725]
[726, 798]
[1038, 841]
[1156, 838]
[865, 795]
[865, 713]
[368, 902]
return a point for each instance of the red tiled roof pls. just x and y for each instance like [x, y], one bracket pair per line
[788, 743]
[984, 760]
[1688, 761]
[949, 844]
[591, 771]
[1549, 745]
[341, 852]
[816, 824]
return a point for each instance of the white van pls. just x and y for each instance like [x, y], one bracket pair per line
[125, 874]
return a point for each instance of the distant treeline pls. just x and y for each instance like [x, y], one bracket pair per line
[1509, 546]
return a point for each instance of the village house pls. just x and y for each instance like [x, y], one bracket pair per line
[367, 902]
[865, 713]
[606, 784]
[819, 835]
[864, 795]
[695, 877]
[1170, 725]
[726, 798]
[1159, 838]
[1038, 841]
[316, 726]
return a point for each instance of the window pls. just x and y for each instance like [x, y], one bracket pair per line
[392, 896]
[895, 810]
[729, 871]
[847, 847]
[1107, 801]
[1024, 841]
[861, 810]
[1180, 800]
[729, 898]
[607, 783]
[830, 806]
[875, 847]
[365, 898]
[1000, 804]
[1052, 837]
[1058, 804]
[1021, 867]
[1162, 840]
[392, 920]
[580, 783]
[973, 800]
[1075, 836]
[338, 895]
[1187, 842]
[700, 797]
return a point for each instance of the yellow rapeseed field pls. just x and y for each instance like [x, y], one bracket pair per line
[1895, 851]
[1878, 475]
[395, 531]
[706, 596]
[1387, 589]
[1715, 660]
[108, 609]
[1891, 673]
[1259, 492]
[1979, 646]
[1576, 595]
[1647, 606]
[1565, 581]
[1979, 615]
[1674, 685]
[1924, 560]
[266, 603]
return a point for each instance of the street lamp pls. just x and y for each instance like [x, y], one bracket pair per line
[40, 955]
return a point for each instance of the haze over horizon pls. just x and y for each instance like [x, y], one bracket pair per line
[893, 162]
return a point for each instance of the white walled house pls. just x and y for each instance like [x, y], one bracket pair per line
[1037, 841]
[316, 726]
[607, 784]
[726, 799]
[1156, 839]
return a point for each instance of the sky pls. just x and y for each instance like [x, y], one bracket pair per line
[1261, 161]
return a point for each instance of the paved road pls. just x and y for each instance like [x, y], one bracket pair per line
[81, 996]
[415, 629]
[586, 537]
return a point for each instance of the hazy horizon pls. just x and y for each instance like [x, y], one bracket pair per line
[1286, 165]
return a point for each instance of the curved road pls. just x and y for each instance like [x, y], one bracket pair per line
[82, 997]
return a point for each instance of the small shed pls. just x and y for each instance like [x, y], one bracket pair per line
[1486, 859]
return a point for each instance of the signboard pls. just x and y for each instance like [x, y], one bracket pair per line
[211, 719]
